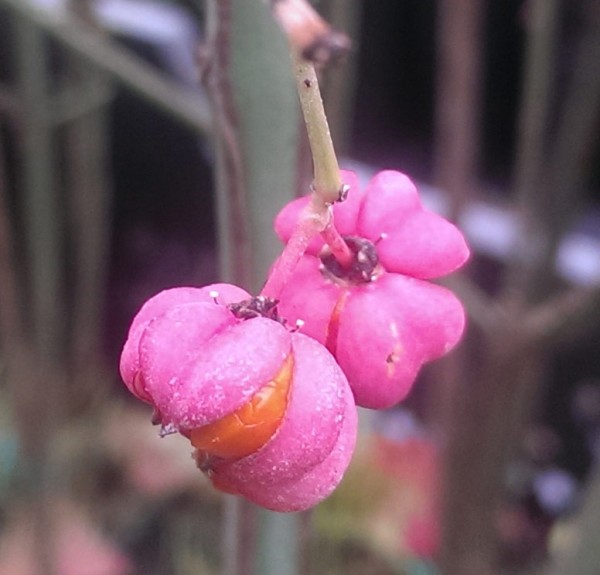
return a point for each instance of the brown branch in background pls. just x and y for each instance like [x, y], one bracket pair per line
[15, 351]
[496, 376]
[22, 375]
[461, 405]
[340, 83]
[9, 103]
[12, 329]
[573, 144]
[536, 251]
[309, 34]
[565, 317]
[235, 245]
[578, 124]
[40, 202]
[459, 27]
[548, 189]
[88, 205]
[539, 72]
[46, 333]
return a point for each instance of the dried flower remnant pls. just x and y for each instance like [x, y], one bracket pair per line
[378, 316]
[308, 33]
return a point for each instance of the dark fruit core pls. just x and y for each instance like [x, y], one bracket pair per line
[364, 268]
[258, 306]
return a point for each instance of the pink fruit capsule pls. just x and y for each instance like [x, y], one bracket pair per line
[378, 317]
[263, 407]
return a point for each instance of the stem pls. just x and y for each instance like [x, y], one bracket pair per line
[327, 183]
[458, 99]
[328, 187]
[309, 224]
[339, 248]
[235, 250]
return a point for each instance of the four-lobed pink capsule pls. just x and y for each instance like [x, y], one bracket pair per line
[380, 318]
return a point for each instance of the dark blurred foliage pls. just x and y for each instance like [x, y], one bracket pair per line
[394, 109]
[393, 122]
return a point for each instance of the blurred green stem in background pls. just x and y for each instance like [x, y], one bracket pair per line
[256, 124]
[118, 63]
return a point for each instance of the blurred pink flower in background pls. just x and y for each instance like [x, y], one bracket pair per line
[77, 546]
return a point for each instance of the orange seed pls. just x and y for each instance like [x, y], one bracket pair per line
[248, 428]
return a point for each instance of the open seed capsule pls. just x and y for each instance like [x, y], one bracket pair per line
[264, 408]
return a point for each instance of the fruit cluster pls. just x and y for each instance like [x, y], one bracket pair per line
[266, 389]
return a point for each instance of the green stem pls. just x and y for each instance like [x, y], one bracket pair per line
[328, 187]
[327, 183]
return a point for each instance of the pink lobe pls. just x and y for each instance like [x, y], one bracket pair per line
[433, 315]
[320, 481]
[424, 246]
[197, 375]
[157, 306]
[388, 329]
[375, 350]
[310, 427]
[170, 343]
[390, 199]
[154, 307]
[309, 298]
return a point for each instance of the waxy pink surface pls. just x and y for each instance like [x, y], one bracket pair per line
[155, 307]
[316, 483]
[383, 331]
[318, 404]
[195, 362]
[410, 239]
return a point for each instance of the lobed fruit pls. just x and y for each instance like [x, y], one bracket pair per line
[269, 412]
[379, 317]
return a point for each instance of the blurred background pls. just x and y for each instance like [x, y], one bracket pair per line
[116, 182]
